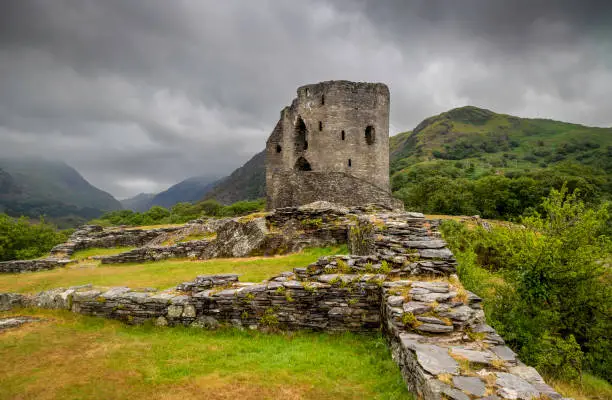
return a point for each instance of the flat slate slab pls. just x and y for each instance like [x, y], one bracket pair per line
[14, 322]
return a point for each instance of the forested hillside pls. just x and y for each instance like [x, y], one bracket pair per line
[473, 161]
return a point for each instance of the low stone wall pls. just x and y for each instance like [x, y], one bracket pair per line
[436, 329]
[93, 236]
[406, 287]
[191, 249]
[18, 266]
[445, 349]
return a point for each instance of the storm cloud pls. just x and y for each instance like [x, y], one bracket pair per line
[138, 95]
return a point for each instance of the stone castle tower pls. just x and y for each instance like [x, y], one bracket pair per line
[331, 144]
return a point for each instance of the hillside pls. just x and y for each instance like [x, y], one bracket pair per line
[474, 161]
[50, 188]
[471, 160]
[246, 183]
[140, 202]
[190, 190]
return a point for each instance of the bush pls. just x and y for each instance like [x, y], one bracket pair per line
[180, 213]
[20, 239]
[546, 285]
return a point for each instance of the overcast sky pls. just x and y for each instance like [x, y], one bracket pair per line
[138, 95]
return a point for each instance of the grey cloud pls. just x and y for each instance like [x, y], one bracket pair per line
[138, 95]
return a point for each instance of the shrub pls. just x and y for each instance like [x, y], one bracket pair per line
[546, 285]
[20, 239]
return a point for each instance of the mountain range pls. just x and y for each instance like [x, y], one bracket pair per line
[464, 143]
[189, 190]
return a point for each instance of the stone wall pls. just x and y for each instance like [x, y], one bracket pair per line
[436, 329]
[93, 236]
[16, 266]
[296, 188]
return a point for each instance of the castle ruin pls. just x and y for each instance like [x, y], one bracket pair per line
[331, 144]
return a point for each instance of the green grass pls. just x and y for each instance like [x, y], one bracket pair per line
[70, 356]
[85, 254]
[160, 274]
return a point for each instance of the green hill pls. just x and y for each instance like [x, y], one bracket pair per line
[35, 187]
[471, 160]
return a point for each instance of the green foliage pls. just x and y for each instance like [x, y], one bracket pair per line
[546, 284]
[179, 213]
[269, 318]
[473, 161]
[21, 240]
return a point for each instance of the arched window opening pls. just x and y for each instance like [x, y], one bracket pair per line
[301, 143]
[370, 134]
[322, 99]
[302, 165]
[343, 135]
[320, 125]
[278, 148]
[307, 92]
[350, 164]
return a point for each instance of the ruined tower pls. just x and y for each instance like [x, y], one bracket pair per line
[331, 144]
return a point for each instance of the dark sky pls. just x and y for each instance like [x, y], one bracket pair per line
[140, 94]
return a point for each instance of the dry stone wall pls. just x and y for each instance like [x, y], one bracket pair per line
[17, 266]
[436, 329]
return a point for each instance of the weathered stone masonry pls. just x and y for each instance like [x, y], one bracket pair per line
[331, 144]
[436, 329]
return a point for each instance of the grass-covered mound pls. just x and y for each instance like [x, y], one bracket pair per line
[160, 274]
[69, 356]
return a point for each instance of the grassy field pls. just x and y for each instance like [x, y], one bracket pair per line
[160, 274]
[69, 356]
[85, 254]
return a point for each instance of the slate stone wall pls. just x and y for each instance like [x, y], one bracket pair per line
[9, 267]
[436, 329]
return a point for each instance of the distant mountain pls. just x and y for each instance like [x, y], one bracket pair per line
[246, 183]
[189, 190]
[35, 187]
[141, 202]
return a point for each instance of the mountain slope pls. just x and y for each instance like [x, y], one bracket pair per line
[52, 189]
[471, 132]
[473, 161]
[138, 203]
[55, 181]
[190, 190]
[246, 183]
